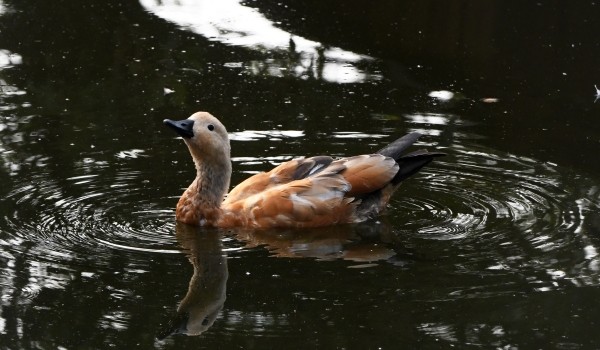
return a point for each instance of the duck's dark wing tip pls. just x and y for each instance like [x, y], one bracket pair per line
[396, 148]
[409, 163]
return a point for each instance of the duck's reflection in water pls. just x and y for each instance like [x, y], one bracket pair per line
[206, 292]
[359, 242]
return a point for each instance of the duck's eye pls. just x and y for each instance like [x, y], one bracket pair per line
[211, 127]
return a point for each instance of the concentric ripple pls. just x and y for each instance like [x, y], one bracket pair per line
[90, 211]
[471, 198]
[501, 214]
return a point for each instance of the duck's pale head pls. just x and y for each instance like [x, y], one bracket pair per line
[205, 136]
[208, 142]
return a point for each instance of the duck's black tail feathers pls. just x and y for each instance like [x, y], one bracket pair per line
[409, 163]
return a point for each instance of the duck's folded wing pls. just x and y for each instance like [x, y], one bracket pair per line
[365, 174]
[309, 192]
[312, 201]
[292, 170]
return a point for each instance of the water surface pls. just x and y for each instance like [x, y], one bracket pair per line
[493, 246]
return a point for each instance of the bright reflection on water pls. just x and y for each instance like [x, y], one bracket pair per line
[231, 23]
[271, 135]
[8, 59]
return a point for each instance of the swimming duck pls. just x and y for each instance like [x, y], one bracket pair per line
[303, 192]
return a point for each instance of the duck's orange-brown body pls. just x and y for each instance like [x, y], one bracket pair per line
[304, 192]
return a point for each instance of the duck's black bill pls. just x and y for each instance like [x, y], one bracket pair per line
[184, 128]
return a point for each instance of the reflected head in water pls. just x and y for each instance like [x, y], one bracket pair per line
[206, 293]
[304, 192]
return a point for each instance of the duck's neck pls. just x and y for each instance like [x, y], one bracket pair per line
[213, 181]
[201, 202]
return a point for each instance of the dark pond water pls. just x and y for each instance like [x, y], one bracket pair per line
[493, 246]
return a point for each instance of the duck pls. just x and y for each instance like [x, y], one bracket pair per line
[303, 192]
